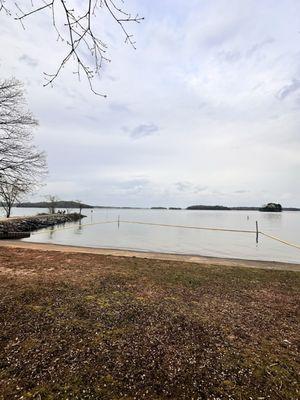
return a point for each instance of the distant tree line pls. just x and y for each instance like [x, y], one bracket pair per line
[202, 207]
[272, 207]
[53, 204]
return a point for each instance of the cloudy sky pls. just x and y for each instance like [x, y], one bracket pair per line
[205, 111]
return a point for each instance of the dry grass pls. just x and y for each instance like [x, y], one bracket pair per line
[80, 326]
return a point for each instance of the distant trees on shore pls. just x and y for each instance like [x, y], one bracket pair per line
[202, 207]
[271, 207]
[58, 204]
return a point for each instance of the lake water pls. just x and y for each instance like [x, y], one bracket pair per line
[285, 225]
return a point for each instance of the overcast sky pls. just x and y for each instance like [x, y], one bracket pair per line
[205, 111]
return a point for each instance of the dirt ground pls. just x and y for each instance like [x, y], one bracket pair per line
[90, 326]
[203, 260]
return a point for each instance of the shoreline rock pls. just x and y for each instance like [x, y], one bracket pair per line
[33, 223]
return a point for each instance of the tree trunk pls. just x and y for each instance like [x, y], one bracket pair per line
[8, 211]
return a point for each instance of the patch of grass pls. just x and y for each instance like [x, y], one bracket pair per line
[77, 326]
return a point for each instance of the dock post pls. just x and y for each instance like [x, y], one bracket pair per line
[256, 223]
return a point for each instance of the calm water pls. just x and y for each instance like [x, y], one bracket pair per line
[285, 225]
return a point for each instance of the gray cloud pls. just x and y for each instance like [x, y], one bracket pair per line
[190, 187]
[230, 56]
[143, 130]
[258, 46]
[31, 62]
[183, 186]
[220, 35]
[241, 191]
[233, 56]
[200, 189]
[119, 107]
[292, 87]
[133, 184]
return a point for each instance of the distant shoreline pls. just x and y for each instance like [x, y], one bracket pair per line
[74, 205]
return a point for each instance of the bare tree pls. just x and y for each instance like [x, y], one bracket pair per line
[52, 203]
[80, 205]
[10, 193]
[78, 30]
[20, 160]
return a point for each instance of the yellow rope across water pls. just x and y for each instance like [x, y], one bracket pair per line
[190, 227]
[280, 240]
[178, 226]
[215, 229]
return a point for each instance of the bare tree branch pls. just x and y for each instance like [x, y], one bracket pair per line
[52, 200]
[20, 160]
[11, 193]
[3, 7]
[78, 32]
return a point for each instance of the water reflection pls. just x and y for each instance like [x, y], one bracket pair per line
[51, 232]
[277, 217]
[78, 230]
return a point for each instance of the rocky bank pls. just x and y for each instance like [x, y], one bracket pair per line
[32, 223]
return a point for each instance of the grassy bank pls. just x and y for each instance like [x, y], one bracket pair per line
[83, 326]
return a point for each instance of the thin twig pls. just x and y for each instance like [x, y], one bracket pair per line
[80, 34]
